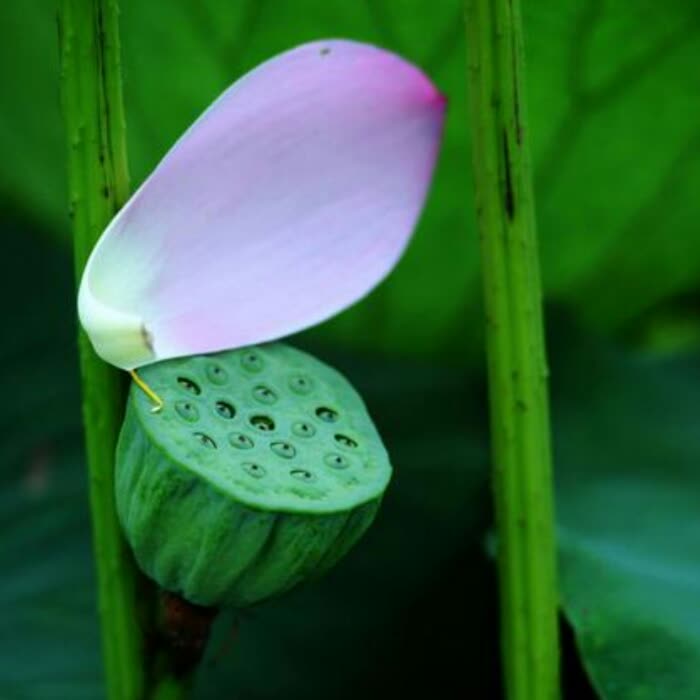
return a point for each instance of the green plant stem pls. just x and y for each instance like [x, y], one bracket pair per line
[98, 186]
[522, 473]
[91, 93]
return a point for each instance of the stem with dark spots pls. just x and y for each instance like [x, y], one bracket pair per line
[98, 186]
[520, 432]
[91, 95]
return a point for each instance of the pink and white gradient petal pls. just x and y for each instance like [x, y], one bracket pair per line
[288, 200]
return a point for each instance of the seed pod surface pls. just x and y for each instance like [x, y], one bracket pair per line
[262, 469]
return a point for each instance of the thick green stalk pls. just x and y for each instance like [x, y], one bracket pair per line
[522, 473]
[91, 92]
[98, 186]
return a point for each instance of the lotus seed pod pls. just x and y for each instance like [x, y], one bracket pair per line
[261, 471]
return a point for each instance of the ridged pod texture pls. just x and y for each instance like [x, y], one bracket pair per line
[261, 471]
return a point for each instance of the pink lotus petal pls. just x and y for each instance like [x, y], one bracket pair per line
[289, 199]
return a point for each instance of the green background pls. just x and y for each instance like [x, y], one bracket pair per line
[614, 103]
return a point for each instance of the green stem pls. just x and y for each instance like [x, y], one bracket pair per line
[522, 473]
[91, 92]
[98, 186]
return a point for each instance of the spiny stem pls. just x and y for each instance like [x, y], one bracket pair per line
[522, 478]
[98, 186]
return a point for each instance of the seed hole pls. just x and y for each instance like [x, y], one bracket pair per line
[337, 461]
[188, 385]
[302, 475]
[328, 415]
[217, 374]
[205, 440]
[187, 411]
[255, 470]
[264, 394]
[345, 441]
[301, 384]
[283, 449]
[240, 441]
[225, 409]
[252, 362]
[264, 424]
[302, 429]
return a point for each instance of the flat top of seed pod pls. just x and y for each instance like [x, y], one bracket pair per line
[269, 425]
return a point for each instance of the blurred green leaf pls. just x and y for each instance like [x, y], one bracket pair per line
[613, 91]
[628, 456]
[48, 629]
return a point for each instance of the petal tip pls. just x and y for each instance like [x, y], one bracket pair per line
[440, 100]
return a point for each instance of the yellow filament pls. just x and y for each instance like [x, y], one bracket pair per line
[157, 401]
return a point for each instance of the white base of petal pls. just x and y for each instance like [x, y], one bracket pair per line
[119, 338]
